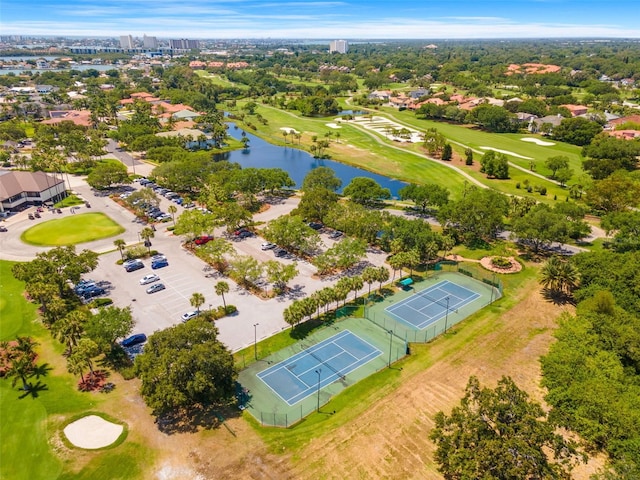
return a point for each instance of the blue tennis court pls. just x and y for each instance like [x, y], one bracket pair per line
[298, 376]
[426, 307]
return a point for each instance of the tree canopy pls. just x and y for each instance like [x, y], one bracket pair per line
[499, 433]
[186, 366]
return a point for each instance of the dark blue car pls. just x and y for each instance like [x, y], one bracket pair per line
[134, 340]
[159, 264]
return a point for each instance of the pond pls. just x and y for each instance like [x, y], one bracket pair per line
[261, 154]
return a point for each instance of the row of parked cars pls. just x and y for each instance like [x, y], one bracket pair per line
[165, 192]
[90, 289]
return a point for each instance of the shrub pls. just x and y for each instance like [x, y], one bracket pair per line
[518, 185]
[100, 302]
[135, 251]
[543, 190]
[501, 262]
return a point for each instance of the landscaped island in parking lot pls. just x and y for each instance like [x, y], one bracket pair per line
[71, 230]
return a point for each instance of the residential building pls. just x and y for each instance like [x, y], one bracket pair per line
[149, 42]
[126, 42]
[19, 190]
[184, 44]
[576, 110]
[338, 46]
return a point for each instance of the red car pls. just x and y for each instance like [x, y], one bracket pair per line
[201, 240]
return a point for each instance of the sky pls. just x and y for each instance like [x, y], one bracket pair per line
[323, 19]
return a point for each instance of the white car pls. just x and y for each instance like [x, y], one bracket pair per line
[189, 315]
[149, 279]
[268, 246]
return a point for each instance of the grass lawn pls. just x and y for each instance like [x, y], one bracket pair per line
[359, 398]
[31, 425]
[71, 230]
[356, 147]
[69, 201]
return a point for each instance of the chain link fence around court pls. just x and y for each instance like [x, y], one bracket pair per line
[486, 286]
[387, 334]
[272, 410]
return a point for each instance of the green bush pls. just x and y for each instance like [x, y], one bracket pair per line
[543, 190]
[135, 251]
[501, 262]
[100, 302]
[231, 309]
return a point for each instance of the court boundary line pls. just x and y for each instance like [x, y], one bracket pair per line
[305, 352]
[431, 320]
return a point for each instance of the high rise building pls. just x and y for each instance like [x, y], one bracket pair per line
[149, 42]
[126, 42]
[184, 44]
[338, 46]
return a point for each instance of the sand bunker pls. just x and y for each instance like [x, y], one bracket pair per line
[506, 152]
[537, 141]
[92, 432]
[332, 125]
[289, 130]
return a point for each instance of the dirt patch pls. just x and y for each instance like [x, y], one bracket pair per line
[391, 439]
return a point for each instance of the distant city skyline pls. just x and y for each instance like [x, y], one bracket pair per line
[325, 19]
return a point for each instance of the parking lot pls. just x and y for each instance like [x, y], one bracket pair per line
[185, 274]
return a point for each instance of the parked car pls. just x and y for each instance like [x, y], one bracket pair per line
[315, 225]
[158, 257]
[133, 265]
[136, 339]
[202, 239]
[335, 234]
[31, 217]
[189, 315]
[268, 246]
[159, 264]
[189, 205]
[3, 229]
[280, 252]
[156, 287]
[152, 277]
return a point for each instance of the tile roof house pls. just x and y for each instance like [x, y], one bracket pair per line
[625, 134]
[576, 110]
[19, 190]
[78, 117]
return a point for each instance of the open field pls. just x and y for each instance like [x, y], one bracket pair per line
[381, 424]
[359, 147]
[71, 230]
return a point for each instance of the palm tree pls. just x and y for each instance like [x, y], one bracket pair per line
[221, 288]
[147, 234]
[69, 329]
[382, 275]
[559, 276]
[172, 209]
[120, 244]
[197, 300]
[369, 275]
[284, 134]
[20, 360]
[356, 284]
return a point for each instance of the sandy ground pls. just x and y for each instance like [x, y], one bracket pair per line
[333, 125]
[289, 130]
[92, 432]
[390, 440]
[537, 141]
[506, 152]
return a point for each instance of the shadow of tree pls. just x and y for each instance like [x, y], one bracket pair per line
[193, 419]
[557, 297]
[33, 391]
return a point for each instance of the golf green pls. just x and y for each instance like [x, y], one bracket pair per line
[71, 230]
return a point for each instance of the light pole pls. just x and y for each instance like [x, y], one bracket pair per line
[390, 339]
[446, 316]
[318, 371]
[255, 340]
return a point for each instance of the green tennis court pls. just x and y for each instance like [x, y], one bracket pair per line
[288, 385]
[432, 306]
